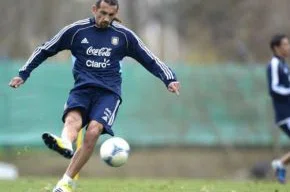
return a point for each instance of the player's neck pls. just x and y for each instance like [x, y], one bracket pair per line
[279, 56]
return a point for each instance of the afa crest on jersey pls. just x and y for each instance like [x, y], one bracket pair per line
[115, 41]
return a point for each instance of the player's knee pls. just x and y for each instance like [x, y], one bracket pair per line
[73, 119]
[94, 129]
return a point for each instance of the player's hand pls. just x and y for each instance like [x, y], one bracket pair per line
[16, 82]
[174, 87]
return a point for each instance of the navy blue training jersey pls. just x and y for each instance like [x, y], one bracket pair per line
[278, 75]
[98, 52]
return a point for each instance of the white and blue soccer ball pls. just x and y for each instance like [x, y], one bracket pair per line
[115, 151]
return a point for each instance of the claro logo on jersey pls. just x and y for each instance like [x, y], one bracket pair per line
[95, 64]
[102, 52]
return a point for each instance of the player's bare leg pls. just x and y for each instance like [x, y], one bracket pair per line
[282, 162]
[286, 159]
[81, 156]
[84, 153]
[63, 145]
[72, 126]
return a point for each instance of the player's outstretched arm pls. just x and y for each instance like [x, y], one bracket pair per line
[138, 51]
[61, 41]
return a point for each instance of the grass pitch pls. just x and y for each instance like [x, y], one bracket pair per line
[143, 185]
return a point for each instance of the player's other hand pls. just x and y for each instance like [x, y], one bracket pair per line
[16, 82]
[174, 87]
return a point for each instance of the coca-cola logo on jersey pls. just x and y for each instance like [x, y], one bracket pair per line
[102, 52]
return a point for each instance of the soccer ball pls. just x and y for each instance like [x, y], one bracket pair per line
[115, 151]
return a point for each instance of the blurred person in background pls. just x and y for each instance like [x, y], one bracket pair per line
[278, 75]
[98, 45]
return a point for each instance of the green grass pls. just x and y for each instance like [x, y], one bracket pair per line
[143, 185]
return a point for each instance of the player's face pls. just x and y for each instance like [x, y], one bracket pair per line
[284, 48]
[104, 14]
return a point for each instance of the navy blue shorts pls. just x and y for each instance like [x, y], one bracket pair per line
[282, 111]
[96, 104]
[286, 129]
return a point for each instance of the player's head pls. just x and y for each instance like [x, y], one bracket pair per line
[280, 45]
[105, 12]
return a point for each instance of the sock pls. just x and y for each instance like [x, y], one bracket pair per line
[66, 140]
[67, 178]
[64, 135]
[277, 164]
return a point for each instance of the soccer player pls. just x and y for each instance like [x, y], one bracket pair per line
[98, 45]
[278, 75]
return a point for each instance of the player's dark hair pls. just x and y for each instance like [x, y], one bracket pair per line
[276, 41]
[110, 2]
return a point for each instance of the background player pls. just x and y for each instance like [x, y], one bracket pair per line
[278, 75]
